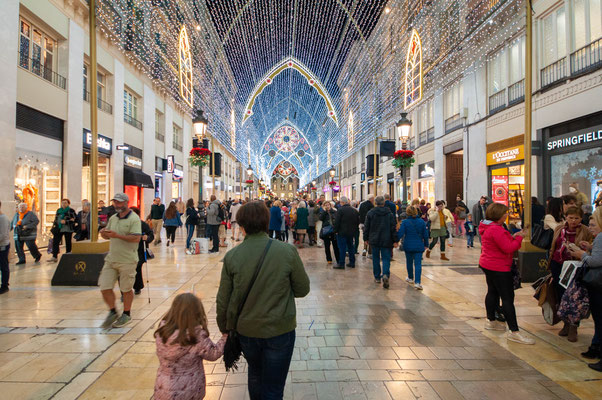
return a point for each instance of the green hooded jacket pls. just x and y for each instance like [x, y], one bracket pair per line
[270, 308]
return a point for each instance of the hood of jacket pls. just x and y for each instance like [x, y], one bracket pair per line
[380, 211]
[487, 224]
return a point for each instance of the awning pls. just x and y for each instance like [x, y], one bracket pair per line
[135, 177]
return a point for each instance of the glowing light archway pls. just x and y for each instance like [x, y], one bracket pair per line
[185, 68]
[285, 64]
[413, 71]
[287, 141]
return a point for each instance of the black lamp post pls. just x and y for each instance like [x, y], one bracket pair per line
[199, 123]
[249, 176]
[403, 131]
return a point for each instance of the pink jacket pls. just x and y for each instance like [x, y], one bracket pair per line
[497, 246]
[181, 374]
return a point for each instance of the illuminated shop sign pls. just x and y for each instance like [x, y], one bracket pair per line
[105, 144]
[586, 137]
[132, 161]
[506, 155]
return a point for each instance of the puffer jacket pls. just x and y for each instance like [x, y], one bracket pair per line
[379, 227]
[29, 227]
[414, 234]
[497, 246]
[213, 212]
[181, 374]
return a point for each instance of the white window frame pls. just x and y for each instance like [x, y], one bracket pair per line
[43, 49]
[130, 104]
[588, 17]
[553, 17]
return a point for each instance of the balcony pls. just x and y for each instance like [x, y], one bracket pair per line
[587, 59]
[36, 67]
[497, 102]
[101, 104]
[553, 73]
[430, 134]
[159, 136]
[516, 93]
[132, 121]
[422, 138]
[453, 123]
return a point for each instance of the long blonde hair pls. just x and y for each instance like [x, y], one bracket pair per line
[597, 216]
[186, 313]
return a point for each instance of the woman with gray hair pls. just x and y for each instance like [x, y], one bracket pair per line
[302, 222]
[83, 223]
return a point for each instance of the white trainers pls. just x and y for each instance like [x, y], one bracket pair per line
[495, 325]
[417, 286]
[410, 281]
[518, 337]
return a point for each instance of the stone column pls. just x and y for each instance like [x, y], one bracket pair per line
[9, 35]
[167, 178]
[148, 152]
[73, 136]
[118, 128]
[440, 167]
[186, 146]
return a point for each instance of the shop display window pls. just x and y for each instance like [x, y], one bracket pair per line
[508, 188]
[426, 190]
[38, 183]
[581, 167]
[103, 178]
[135, 195]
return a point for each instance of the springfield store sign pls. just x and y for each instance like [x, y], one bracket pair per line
[586, 137]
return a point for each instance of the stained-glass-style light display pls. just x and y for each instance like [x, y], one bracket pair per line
[287, 143]
[285, 170]
[185, 64]
[413, 70]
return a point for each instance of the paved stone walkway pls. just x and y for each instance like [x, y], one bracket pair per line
[355, 340]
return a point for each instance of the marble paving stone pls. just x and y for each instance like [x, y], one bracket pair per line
[354, 339]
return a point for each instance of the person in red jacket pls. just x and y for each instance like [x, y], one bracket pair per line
[497, 249]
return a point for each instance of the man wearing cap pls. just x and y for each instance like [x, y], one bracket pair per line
[124, 232]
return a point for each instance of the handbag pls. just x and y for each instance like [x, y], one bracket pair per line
[592, 278]
[516, 278]
[232, 348]
[327, 231]
[541, 237]
[545, 293]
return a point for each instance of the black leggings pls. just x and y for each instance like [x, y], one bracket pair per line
[500, 285]
[434, 242]
[139, 282]
[171, 232]
[56, 242]
[327, 241]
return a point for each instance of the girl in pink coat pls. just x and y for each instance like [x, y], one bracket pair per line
[182, 344]
[497, 249]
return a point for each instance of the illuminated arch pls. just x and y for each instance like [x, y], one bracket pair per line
[413, 71]
[312, 80]
[185, 68]
[350, 132]
[285, 170]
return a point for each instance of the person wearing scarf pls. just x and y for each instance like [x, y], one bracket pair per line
[64, 222]
[25, 226]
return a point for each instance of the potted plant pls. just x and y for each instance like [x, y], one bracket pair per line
[403, 159]
[199, 157]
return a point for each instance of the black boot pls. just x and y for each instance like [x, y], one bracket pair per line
[596, 367]
[593, 352]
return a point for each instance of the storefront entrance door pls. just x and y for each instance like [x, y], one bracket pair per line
[454, 178]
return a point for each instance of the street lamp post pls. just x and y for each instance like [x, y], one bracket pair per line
[313, 186]
[249, 175]
[403, 131]
[199, 123]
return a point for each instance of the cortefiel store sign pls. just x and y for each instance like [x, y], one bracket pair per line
[575, 139]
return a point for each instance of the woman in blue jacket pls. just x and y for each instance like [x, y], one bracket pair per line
[171, 222]
[415, 240]
[275, 227]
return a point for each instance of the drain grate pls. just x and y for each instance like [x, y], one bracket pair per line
[467, 271]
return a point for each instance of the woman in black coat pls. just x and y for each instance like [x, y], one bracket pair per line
[328, 216]
[147, 239]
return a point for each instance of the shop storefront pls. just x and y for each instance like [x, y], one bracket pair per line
[105, 149]
[176, 183]
[134, 180]
[425, 184]
[507, 175]
[573, 157]
[160, 166]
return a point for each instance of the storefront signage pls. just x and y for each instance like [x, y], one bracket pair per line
[499, 189]
[363, 176]
[178, 173]
[506, 155]
[170, 164]
[132, 161]
[105, 144]
[586, 137]
[426, 170]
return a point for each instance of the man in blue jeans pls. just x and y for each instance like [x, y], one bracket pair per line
[346, 225]
[380, 232]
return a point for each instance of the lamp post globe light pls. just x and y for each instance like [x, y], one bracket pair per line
[199, 124]
[403, 132]
[249, 175]
[313, 186]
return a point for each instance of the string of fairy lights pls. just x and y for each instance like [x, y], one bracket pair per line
[357, 51]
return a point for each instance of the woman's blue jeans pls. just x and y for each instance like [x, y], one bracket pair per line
[414, 263]
[269, 361]
[190, 233]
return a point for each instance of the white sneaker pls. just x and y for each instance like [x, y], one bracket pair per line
[417, 286]
[495, 325]
[519, 338]
[410, 281]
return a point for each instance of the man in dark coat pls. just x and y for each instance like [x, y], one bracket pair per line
[380, 232]
[346, 226]
[390, 205]
[147, 238]
[364, 208]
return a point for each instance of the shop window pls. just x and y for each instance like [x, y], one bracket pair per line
[37, 51]
[553, 37]
[103, 178]
[581, 167]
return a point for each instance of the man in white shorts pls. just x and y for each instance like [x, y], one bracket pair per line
[124, 232]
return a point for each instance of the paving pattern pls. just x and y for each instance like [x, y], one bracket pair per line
[355, 340]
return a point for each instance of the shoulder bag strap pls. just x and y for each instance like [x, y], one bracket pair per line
[259, 264]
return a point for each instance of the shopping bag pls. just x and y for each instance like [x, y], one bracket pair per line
[50, 245]
[201, 245]
[567, 275]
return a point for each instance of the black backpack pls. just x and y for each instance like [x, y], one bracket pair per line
[220, 213]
